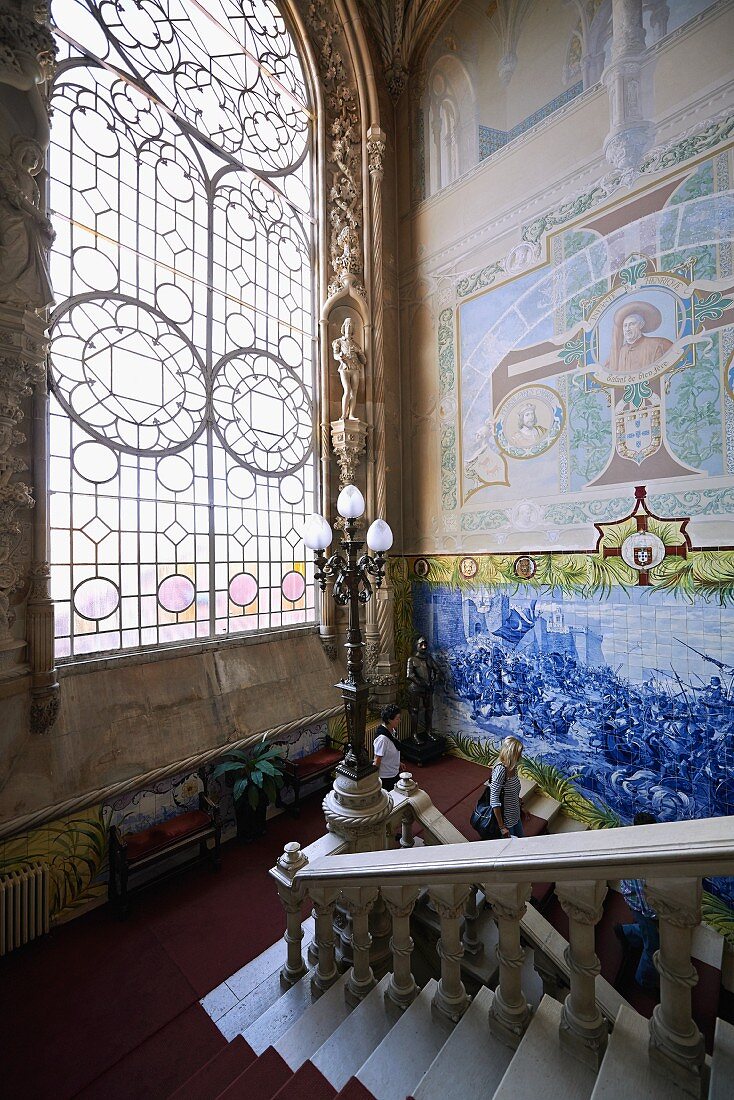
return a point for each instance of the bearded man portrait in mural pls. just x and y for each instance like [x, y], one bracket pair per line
[632, 351]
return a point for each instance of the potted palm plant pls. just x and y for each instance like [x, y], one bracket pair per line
[255, 775]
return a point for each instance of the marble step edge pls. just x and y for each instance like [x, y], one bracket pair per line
[471, 1062]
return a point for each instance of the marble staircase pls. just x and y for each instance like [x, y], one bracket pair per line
[506, 1005]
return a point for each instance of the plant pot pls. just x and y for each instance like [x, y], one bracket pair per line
[250, 823]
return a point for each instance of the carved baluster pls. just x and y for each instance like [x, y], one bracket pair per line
[451, 998]
[358, 902]
[291, 898]
[326, 972]
[399, 902]
[676, 1044]
[583, 1029]
[510, 1012]
[472, 944]
[407, 839]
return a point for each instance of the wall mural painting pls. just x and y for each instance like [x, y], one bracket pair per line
[615, 664]
[610, 364]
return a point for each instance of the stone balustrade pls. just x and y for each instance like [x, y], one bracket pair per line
[448, 877]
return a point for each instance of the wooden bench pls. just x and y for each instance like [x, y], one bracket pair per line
[317, 764]
[130, 853]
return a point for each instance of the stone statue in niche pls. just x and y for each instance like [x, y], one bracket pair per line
[26, 233]
[351, 360]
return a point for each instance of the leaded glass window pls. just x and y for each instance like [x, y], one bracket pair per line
[181, 428]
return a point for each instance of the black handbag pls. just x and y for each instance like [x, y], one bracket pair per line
[483, 818]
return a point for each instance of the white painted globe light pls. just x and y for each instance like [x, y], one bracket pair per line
[317, 532]
[379, 536]
[350, 502]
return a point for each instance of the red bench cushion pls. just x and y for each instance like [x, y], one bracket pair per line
[160, 836]
[317, 762]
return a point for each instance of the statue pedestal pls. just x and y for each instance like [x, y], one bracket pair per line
[422, 752]
[349, 440]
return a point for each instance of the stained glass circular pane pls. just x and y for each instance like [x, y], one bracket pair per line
[175, 473]
[293, 586]
[176, 593]
[127, 375]
[243, 589]
[95, 462]
[240, 482]
[291, 489]
[96, 598]
[264, 414]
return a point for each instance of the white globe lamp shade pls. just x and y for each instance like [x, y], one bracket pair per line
[350, 502]
[379, 536]
[317, 533]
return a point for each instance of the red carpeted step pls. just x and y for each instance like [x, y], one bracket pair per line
[219, 1072]
[261, 1080]
[307, 1083]
[354, 1090]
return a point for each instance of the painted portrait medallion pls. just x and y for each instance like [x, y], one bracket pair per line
[529, 421]
[468, 567]
[525, 567]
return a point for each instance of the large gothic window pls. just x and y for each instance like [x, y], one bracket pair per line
[181, 429]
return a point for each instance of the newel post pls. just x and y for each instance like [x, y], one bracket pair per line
[583, 1029]
[676, 1044]
[291, 898]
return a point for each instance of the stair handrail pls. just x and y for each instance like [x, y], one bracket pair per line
[681, 849]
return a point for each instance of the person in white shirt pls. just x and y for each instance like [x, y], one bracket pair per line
[387, 753]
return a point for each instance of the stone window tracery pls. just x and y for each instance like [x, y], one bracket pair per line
[181, 426]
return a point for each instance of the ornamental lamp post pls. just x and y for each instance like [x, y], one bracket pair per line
[351, 572]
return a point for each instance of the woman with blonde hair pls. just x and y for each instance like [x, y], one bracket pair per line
[505, 788]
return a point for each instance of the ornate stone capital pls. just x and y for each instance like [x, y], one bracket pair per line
[582, 901]
[27, 47]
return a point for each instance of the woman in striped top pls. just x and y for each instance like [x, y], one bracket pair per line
[505, 789]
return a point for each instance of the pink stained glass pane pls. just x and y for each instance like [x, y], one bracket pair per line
[176, 593]
[96, 598]
[243, 589]
[293, 586]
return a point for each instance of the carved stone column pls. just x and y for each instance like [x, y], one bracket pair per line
[27, 57]
[583, 1029]
[359, 902]
[510, 1012]
[291, 897]
[451, 997]
[384, 676]
[399, 901]
[630, 132]
[472, 944]
[676, 1044]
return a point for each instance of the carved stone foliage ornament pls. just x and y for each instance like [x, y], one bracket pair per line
[344, 153]
[19, 372]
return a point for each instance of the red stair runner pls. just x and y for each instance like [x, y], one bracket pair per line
[307, 1083]
[354, 1090]
[219, 1072]
[261, 1080]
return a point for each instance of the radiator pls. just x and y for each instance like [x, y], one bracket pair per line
[24, 902]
